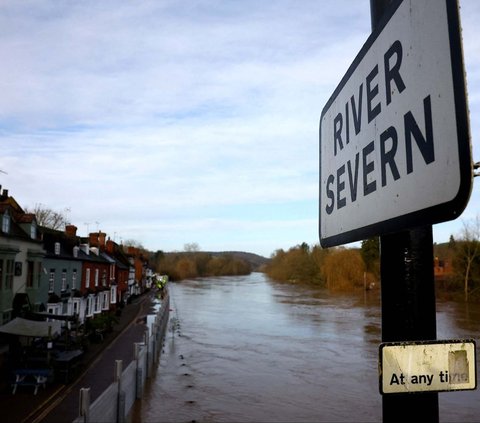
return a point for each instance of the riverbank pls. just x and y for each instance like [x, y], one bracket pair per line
[25, 407]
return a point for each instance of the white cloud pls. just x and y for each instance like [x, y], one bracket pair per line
[174, 122]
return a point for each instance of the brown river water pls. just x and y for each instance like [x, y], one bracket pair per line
[246, 349]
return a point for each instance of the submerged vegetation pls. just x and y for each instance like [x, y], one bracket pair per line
[456, 267]
[338, 269]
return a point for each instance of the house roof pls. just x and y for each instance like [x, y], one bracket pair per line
[18, 217]
[67, 243]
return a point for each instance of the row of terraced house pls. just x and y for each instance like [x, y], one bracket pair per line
[61, 273]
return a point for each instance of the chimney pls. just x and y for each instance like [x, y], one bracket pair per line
[71, 230]
[110, 246]
[93, 239]
[101, 239]
[4, 195]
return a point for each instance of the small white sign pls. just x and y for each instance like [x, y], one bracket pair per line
[427, 366]
[394, 136]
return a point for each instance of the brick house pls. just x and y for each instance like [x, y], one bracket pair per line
[119, 266]
[122, 270]
[94, 286]
[143, 275]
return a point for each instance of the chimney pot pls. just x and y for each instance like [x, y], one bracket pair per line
[71, 230]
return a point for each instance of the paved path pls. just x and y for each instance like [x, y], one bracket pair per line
[60, 403]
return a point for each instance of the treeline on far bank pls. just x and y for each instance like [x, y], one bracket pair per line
[347, 269]
[338, 269]
[194, 264]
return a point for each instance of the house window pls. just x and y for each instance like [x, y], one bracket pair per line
[89, 308]
[38, 274]
[96, 277]
[97, 304]
[64, 279]
[9, 272]
[57, 248]
[30, 273]
[33, 231]
[51, 281]
[113, 294]
[104, 278]
[74, 279]
[76, 306]
[18, 268]
[105, 300]
[34, 274]
[6, 223]
[87, 278]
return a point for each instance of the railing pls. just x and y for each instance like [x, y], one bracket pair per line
[116, 402]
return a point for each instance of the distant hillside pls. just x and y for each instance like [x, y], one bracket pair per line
[256, 262]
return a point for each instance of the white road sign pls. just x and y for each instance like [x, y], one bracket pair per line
[427, 366]
[394, 136]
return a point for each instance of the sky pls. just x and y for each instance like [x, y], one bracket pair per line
[176, 122]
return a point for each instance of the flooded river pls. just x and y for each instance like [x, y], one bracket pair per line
[245, 349]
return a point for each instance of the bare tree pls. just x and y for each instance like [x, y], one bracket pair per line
[470, 249]
[47, 217]
[133, 243]
[191, 247]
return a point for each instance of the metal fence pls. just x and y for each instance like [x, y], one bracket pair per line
[116, 402]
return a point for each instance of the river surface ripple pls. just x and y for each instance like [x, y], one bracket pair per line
[245, 349]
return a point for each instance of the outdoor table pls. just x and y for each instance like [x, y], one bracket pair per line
[31, 377]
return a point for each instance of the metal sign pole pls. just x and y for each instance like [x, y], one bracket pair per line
[408, 310]
[408, 297]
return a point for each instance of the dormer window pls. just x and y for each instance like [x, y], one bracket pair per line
[6, 223]
[57, 248]
[33, 230]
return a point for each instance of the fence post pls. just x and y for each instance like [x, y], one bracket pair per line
[158, 339]
[139, 374]
[121, 393]
[84, 404]
[147, 344]
[153, 336]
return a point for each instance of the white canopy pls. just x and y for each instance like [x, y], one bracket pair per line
[25, 327]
